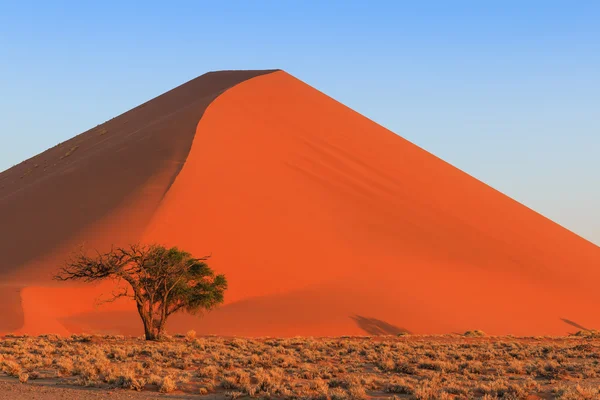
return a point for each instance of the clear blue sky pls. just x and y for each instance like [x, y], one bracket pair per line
[508, 91]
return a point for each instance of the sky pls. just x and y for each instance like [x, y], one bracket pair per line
[508, 91]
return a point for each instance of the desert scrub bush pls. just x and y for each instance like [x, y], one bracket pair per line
[407, 368]
[238, 343]
[233, 395]
[239, 380]
[118, 353]
[440, 366]
[386, 364]
[429, 390]
[129, 380]
[167, 385]
[577, 392]
[398, 385]
[210, 371]
[267, 380]
[516, 367]
[338, 394]
[11, 368]
[87, 372]
[23, 377]
[474, 333]
[587, 333]
[190, 335]
[64, 365]
[82, 338]
[473, 367]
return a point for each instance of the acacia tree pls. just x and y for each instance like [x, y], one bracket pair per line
[161, 281]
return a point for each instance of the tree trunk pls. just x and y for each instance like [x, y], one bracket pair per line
[149, 329]
[160, 328]
[150, 334]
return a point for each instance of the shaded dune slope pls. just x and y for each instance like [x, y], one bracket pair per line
[326, 223]
[71, 194]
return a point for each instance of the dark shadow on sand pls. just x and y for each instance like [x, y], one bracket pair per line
[374, 326]
[575, 324]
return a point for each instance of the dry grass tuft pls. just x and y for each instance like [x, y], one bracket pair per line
[23, 377]
[587, 334]
[167, 385]
[474, 333]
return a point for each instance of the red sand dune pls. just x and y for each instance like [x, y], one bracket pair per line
[324, 222]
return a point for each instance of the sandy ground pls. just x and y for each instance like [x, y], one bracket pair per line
[10, 389]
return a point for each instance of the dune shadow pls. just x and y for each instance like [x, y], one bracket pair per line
[11, 308]
[575, 324]
[376, 327]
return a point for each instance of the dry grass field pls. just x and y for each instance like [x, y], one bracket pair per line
[405, 367]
